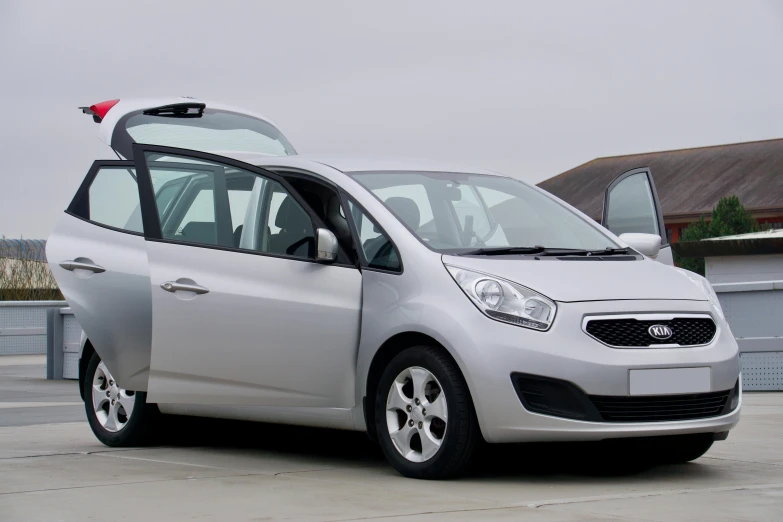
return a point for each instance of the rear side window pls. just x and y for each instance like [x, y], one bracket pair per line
[112, 199]
[205, 203]
[188, 203]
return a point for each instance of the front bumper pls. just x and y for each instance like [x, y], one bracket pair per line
[567, 353]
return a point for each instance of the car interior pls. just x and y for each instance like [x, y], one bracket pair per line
[195, 208]
[325, 202]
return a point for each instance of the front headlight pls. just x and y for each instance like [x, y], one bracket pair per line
[505, 301]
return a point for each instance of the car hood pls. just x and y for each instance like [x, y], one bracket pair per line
[587, 280]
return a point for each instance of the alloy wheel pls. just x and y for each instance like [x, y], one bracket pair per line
[113, 405]
[416, 414]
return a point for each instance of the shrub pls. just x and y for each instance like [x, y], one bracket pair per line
[24, 276]
[729, 217]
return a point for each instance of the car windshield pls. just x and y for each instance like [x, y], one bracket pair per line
[213, 131]
[457, 212]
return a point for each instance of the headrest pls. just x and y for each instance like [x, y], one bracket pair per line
[291, 216]
[200, 232]
[315, 202]
[405, 209]
[333, 207]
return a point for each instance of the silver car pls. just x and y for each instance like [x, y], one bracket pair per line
[432, 306]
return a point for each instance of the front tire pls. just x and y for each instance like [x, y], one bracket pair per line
[118, 417]
[424, 415]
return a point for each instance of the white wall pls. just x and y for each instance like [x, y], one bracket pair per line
[744, 269]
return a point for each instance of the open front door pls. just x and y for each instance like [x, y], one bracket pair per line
[631, 205]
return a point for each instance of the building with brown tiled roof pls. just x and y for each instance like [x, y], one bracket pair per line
[689, 181]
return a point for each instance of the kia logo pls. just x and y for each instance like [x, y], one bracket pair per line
[660, 331]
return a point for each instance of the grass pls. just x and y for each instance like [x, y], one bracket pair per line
[24, 277]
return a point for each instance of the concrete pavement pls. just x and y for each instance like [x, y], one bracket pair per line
[52, 468]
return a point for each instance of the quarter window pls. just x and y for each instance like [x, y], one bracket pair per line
[112, 200]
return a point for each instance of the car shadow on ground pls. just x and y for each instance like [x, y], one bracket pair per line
[493, 461]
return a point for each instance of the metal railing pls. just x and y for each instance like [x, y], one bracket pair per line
[23, 326]
[63, 344]
[754, 311]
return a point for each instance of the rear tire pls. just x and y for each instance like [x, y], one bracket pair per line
[117, 417]
[420, 444]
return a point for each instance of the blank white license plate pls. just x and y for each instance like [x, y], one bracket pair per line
[669, 381]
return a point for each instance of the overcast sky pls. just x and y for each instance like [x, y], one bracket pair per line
[527, 88]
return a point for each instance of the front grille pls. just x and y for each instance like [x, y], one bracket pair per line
[661, 407]
[630, 332]
[559, 398]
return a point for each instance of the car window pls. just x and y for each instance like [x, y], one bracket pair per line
[215, 130]
[378, 250]
[631, 206]
[463, 211]
[474, 221]
[288, 226]
[113, 199]
[211, 204]
[415, 193]
[275, 200]
[166, 194]
[189, 213]
[198, 224]
[238, 201]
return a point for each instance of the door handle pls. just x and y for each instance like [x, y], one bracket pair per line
[173, 286]
[82, 265]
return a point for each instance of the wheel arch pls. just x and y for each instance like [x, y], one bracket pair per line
[383, 356]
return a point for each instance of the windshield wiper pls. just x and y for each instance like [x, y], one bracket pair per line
[604, 252]
[587, 253]
[502, 251]
[178, 110]
[542, 251]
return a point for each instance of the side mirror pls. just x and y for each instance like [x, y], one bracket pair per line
[647, 244]
[325, 246]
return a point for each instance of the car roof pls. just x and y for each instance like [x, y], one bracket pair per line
[358, 163]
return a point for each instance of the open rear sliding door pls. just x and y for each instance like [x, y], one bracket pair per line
[631, 205]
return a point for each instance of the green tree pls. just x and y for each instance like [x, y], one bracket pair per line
[696, 231]
[729, 217]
